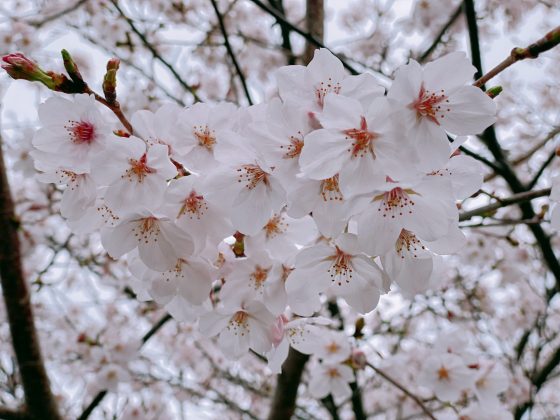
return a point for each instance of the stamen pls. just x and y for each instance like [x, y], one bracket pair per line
[429, 105]
[206, 137]
[362, 140]
[81, 132]
[330, 190]
[252, 175]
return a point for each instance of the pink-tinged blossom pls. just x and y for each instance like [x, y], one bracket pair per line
[425, 206]
[325, 74]
[190, 278]
[136, 174]
[303, 334]
[360, 144]
[241, 326]
[282, 237]
[159, 240]
[78, 196]
[331, 208]
[334, 347]
[339, 267]
[244, 185]
[410, 263]
[434, 99]
[447, 375]
[260, 278]
[72, 132]
[201, 128]
[185, 201]
[161, 127]
[331, 379]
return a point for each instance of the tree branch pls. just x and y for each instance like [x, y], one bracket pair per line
[549, 41]
[404, 390]
[231, 52]
[514, 199]
[308, 37]
[154, 52]
[13, 414]
[101, 394]
[284, 400]
[40, 402]
[426, 54]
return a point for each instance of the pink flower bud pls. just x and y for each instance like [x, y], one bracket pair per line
[19, 66]
[358, 359]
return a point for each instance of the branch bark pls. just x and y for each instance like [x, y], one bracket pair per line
[284, 401]
[40, 402]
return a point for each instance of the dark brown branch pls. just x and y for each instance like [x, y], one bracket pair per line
[154, 52]
[231, 53]
[308, 37]
[12, 414]
[426, 54]
[284, 401]
[101, 394]
[514, 199]
[315, 25]
[285, 30]
[40, 402]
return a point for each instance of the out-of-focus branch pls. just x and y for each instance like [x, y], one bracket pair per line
[284, 401]
[527, 155]
[154, 52]
[542, 168]
[314, 22]
[426, 54]
[11, 414]
[101, 394]
[231, 53]
[307, 36]
[285, 30]
[549, 41]
[538, 380]
[55, 16]
[40, 402]
[409, 394]
[514, 199]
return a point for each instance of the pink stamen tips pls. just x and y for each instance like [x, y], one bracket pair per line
[362, 139]
[82, 132]
[429, 105]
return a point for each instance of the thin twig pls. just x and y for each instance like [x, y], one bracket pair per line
[540, 171]
[54, 16]
[231, 53]
[403, 389]
[550, 40]
[504, 202]
[440, 35]
[308, 37]
[154, 52]
[101, 394]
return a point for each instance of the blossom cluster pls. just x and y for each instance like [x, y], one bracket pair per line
[249, 219]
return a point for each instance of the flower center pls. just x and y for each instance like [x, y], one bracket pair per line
[361, 139]
[396, 202]
[409, 242]
[147, 230]
[323, 88]
[258, 277]
[138, 169]
[341, 268]
[293, 150]
[333, 348]
[193, 206]
[238, 323]
[443, 374]
[330, 190]
[251, 176]
[206, 137]
[333, 373]
[81, 132]
[275, 226]
[429, 105]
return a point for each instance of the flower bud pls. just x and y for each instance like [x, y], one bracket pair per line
[494, 91]
[358, 359]
[110, 80]
[19, 66]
